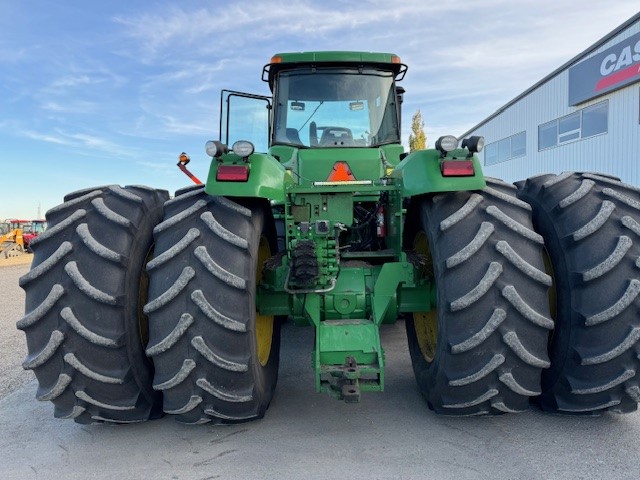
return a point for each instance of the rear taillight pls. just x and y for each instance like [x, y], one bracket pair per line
[457, 168]
[232, 173]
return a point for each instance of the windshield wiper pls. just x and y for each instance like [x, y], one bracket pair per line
[311, 116]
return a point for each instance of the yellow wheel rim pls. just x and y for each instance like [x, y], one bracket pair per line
[425, 323]
[264, 323]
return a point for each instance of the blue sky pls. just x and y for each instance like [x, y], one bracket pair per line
[93, 93]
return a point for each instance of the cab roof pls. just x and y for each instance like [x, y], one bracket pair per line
[287, 61]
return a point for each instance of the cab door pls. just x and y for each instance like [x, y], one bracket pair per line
[245, 116]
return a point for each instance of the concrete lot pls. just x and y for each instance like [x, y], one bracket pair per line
[308, 435]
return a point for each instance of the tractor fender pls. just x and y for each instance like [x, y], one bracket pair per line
[420, 173]
[267, 178]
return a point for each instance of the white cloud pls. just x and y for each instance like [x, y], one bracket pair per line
[177, 126]
[73, 81]
[46, 137]
[95, 142]
[73, 106]
[232, 26]
[188, 76]
[78, 141]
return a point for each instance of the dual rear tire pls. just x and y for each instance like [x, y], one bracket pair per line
[95, 313]
[491, 344]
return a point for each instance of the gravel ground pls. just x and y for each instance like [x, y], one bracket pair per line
[13, 347]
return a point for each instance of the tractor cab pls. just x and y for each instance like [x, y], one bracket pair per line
[353, 105]
[320, 100]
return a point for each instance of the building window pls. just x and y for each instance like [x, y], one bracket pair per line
[506, 149]
[548, 135]
[519, 145]
[569, 128]
[584, 123]
[595, 120]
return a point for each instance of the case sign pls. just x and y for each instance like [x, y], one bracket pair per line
[614, 68]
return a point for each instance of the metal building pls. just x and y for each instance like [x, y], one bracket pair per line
[584, 116]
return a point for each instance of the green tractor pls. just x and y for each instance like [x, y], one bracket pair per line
[312, 213]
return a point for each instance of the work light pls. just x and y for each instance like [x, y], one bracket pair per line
[243, 148]
[446, 144]
[215, 148]
[473, 144]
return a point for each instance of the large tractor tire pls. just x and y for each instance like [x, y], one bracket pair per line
[216, 358]
[483, 348]
[591, 227]
[84, 295]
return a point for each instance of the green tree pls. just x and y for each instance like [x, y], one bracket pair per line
[417, 138]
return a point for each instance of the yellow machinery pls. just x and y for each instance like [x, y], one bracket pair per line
[11, 243]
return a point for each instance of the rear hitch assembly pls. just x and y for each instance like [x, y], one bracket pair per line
[347, 386]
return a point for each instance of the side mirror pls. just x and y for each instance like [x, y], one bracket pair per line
[297, 106]
[400, 94]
